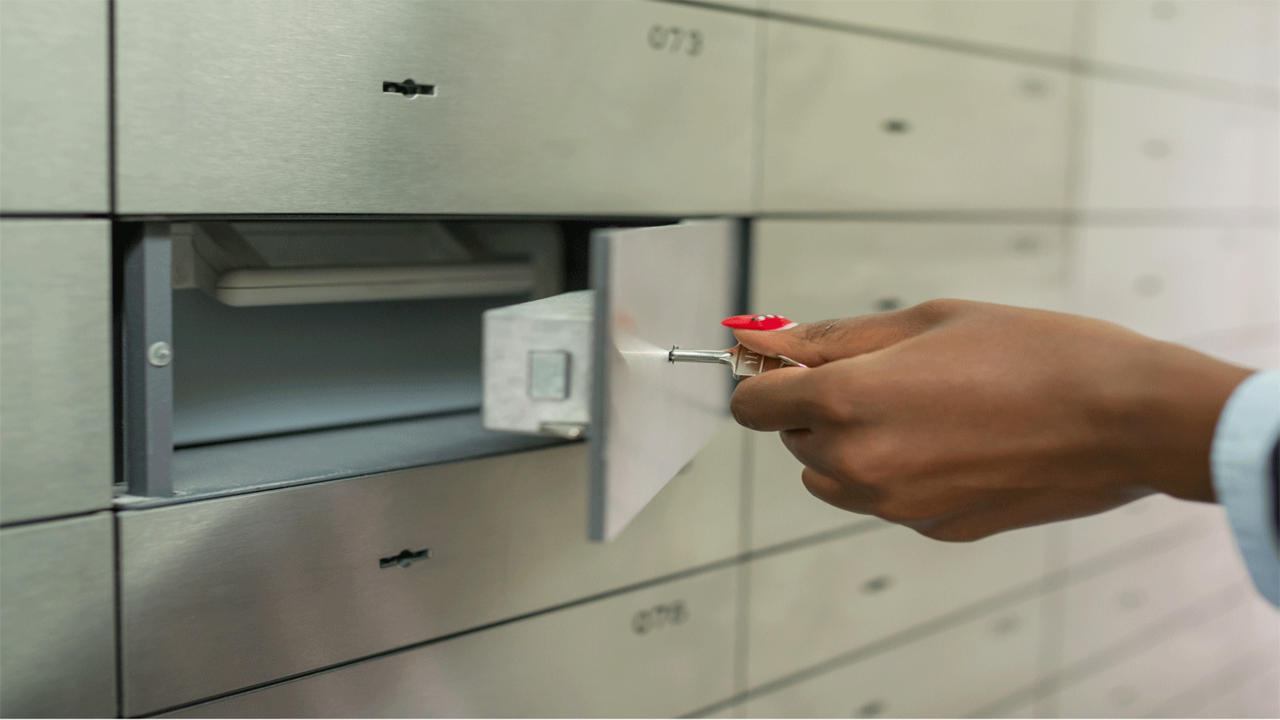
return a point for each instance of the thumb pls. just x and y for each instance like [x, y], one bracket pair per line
[817, 343]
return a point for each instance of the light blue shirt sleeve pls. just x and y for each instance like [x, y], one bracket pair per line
[1241, 463]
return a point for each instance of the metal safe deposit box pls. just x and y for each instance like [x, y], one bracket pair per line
[297, 215]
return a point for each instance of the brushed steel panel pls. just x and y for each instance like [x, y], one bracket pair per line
[1141, 683]
[57, 616]
[1102, 611]
[1153, 149]
[277, 106]
[1046, 25]
[1096, 535]
[227, 593]
[53, 111]
[55, 394]
[585, 661]
[1179, 283]
[808, 270]
[1226, 40]
[859, 123]
[655, 288]
[965, 667]
[815, 603]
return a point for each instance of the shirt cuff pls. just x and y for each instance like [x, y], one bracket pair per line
[1243, 443]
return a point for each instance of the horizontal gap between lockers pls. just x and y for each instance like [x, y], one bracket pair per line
[1188, 617]
[1151, 544]
[1123, 217]
[52, 518]
[1238, 217]
[1212, 88]
[1148, 545]
[9, 215]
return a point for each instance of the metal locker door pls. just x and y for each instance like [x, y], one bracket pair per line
[598, 363]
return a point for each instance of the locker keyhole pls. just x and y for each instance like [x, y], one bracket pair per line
[404, 559]
[408, 88]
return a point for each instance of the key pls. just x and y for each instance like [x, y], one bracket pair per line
[743, 362]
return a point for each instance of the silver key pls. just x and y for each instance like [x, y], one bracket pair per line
[744, 362]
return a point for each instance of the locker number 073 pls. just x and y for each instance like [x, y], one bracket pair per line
[676, 39]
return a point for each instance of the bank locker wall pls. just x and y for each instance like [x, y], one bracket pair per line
[1115, 159]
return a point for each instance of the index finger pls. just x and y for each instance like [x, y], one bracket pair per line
[775, 400]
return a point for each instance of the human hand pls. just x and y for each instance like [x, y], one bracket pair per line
[963, 419]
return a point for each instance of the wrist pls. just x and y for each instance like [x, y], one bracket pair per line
[1185, 394]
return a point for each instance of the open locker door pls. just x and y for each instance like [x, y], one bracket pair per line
[655, 288]
[596, 363]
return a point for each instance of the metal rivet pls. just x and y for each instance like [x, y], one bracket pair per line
[160, 354]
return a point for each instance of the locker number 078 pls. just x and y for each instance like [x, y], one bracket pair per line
[676, 39]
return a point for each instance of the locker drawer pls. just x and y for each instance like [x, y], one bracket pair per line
[811, 270]
[1224, 39]
[1157, 673]
[1097, 535]
[1044, 25]
[859, 123]
[1104, 610]
[55, 394]
[1152, 149]
[1178, 283]
[812, 604]
[657, 652]
[223, 594]
[53, 120]
[57, 617]
[535, 107]
[965, 667]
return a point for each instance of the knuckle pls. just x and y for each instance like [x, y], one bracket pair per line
[938, 308]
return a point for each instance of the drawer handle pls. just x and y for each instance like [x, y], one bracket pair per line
[409, 88]
[404, 559]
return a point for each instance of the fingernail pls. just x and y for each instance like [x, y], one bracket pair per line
[758, 322]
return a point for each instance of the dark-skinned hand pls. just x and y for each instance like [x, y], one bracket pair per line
[962, 419]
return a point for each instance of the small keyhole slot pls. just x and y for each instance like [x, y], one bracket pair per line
[404, 559]
[408, 88]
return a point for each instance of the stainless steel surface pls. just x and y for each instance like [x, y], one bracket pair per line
[515, 396]
[999, 25]
[147, 386]
[1104, 611]
[561, 107]
[57, 617]
[55, 393]
[966, 666]
[306, 285]
[1149, 148]
[852, 122]
[655, 287]
[889, 579]
[342, 452]
[594, 660]
[226, 593]
[53, 111]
